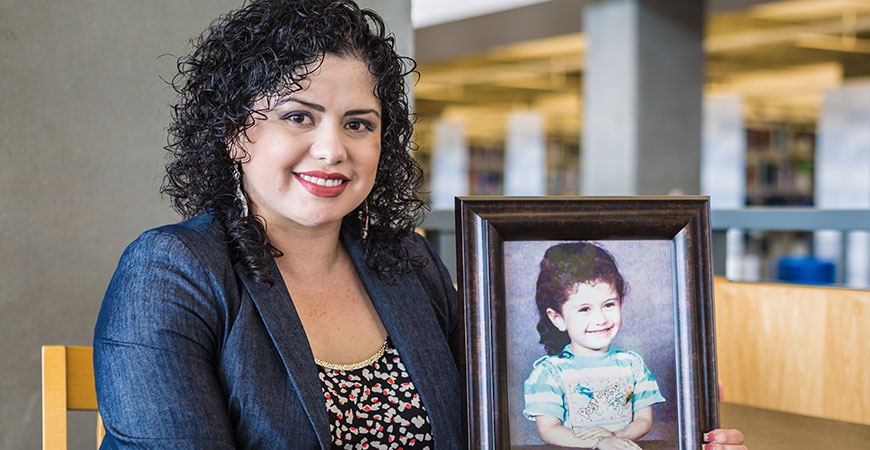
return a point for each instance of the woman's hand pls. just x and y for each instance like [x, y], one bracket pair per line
[615, 443]
[722, 439]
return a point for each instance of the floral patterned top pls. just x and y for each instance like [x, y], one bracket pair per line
[374, 404]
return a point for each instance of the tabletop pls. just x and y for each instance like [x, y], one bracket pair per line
[766, 429]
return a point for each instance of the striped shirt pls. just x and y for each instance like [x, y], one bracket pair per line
[584, 391]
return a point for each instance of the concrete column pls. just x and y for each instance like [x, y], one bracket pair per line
[525, 171]
[843, 177]
[397, 15]
[449, 173]
[642, 97]
[723, 176]
[723, 153]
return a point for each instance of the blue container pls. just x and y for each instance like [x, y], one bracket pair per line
[807, 270]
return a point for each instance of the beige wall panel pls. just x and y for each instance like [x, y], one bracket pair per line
[795, 348]
[757, 332]
[847, 356]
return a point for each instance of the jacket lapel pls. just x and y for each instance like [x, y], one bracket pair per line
[407, 315]
[285, 329]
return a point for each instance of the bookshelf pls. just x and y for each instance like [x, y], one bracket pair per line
[563, 165]
[486, 168]
[780, 164]
[487, 163]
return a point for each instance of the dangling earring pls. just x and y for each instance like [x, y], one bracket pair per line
[237, 174]
[364, 230]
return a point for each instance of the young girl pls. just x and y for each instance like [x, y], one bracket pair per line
[586, 393]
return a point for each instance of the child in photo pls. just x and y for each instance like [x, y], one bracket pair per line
[585, 393]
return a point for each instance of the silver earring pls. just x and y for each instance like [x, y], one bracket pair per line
[364, 230]
[237, 174]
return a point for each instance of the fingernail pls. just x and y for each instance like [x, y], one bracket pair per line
[708, 447]
[706, 437]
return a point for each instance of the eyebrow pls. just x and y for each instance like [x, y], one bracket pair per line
[320, 108]
[585, 303]
[358, 112]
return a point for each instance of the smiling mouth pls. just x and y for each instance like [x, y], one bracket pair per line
[326, 182]
[601, 331]
[322, 184]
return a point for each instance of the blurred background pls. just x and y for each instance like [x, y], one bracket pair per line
[763, 105]
[755, 103]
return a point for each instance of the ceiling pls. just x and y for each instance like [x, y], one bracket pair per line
[778, 56]
[426, 13]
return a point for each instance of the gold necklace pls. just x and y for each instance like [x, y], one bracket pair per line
[354, 366]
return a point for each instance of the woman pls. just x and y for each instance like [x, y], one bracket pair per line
[295, 307]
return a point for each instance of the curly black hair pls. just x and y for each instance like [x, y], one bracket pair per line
[262, 50]
[563, 267]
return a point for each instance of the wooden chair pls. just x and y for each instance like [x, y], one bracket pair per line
[67, 384]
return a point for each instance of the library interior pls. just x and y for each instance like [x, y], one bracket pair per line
[764, 106]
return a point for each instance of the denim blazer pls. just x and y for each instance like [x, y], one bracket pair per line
[191, 353]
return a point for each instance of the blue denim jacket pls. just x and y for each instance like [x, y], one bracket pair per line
[191, 353]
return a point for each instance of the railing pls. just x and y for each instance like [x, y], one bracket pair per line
[440, 228]
[841, 221]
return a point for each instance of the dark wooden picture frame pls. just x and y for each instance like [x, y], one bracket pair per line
[484, 224]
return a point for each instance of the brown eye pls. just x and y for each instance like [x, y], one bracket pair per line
[360, 125]
[299, 118]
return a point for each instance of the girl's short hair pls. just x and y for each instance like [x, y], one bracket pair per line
[264, 50]
[563, 267]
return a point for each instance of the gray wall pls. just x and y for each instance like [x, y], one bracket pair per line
[83, 114]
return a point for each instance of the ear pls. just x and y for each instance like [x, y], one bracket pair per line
[556, 319]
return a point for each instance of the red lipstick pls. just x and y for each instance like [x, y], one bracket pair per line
[322, 184]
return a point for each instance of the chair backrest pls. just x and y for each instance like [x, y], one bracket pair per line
[67, 384]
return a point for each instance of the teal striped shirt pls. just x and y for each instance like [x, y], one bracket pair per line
[584, 391]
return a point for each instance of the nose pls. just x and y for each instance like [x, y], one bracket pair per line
[329, 145]
[598, 317]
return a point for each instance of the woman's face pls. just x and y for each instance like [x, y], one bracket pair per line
[315, 156]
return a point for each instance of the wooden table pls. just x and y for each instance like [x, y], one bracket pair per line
[645, 445]
[765, 429]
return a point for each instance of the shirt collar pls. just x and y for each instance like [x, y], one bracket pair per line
[569, 354]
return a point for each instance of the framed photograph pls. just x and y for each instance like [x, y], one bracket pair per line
[587, 319]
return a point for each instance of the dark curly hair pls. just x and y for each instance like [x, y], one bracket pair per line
[564, 267]
[262, 50]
